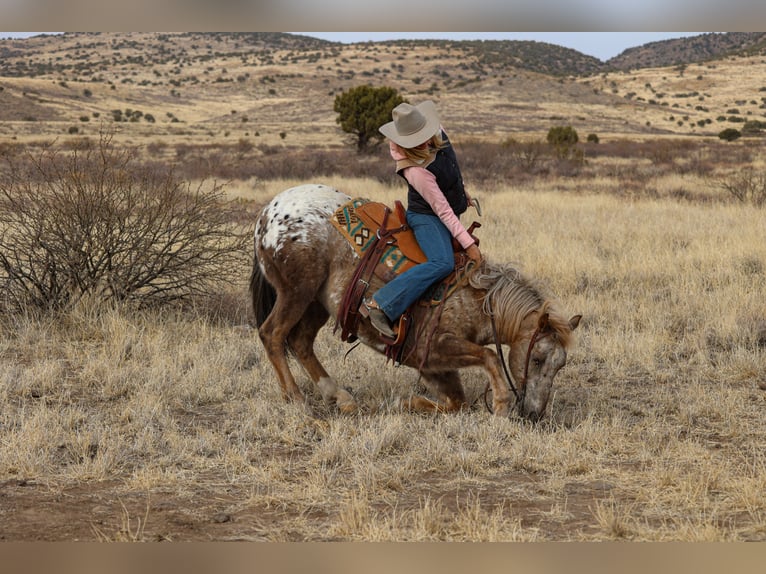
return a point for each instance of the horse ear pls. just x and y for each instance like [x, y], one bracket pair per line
[574, 321]
[543, 322]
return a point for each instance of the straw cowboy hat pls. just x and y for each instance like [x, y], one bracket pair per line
[412, 125]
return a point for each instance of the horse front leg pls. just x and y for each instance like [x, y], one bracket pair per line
[448, 389]
[501, 392]
[455, 353]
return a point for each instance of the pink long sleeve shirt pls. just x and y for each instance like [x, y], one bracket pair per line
[425, 184]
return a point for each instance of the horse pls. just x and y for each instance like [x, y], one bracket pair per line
[302, 266]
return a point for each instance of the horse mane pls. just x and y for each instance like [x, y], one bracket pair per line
[511, 296]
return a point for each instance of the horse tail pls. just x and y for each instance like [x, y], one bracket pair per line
[263, 294]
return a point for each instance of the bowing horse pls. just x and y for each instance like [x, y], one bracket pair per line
[302, 271]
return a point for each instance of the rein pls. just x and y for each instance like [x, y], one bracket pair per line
[535, 337]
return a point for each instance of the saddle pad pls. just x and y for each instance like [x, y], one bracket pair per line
[359, 220]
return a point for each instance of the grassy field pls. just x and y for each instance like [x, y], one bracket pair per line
[126, 425]
[121, 425]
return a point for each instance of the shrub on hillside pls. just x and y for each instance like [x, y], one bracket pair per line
[528, 156]
[729, 134]
[361, 110]
[563, 139]
[96, 223]
[753, 127]
[562, 135]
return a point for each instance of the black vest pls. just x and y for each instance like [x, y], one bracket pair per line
[448, 177]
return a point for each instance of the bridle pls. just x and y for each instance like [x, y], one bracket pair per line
[536, 336]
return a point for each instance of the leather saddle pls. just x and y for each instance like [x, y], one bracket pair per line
[387, 247]
[378, 216]
[404, 251]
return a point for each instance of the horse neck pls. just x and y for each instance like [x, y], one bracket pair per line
[516, 317]
[515, 300]
[521, 328]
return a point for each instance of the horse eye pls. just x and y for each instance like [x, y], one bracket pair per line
[537, 362]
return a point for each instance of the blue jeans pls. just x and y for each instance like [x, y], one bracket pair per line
[436, 242]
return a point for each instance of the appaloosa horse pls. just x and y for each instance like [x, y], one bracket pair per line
[303, 265]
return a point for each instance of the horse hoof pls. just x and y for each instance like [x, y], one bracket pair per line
[502, 410]
[346, 403]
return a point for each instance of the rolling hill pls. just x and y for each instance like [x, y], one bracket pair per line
[279, 89]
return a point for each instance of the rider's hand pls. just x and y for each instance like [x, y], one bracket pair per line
[473, 252]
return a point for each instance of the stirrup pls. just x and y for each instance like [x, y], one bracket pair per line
[378, 319]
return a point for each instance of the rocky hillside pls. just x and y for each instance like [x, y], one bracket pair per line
[68, 53]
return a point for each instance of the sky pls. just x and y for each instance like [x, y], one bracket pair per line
[602, 45]
[584, 17]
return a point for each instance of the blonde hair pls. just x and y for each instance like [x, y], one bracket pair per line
[421, 154]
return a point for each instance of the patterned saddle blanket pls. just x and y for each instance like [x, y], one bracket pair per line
[359, 221]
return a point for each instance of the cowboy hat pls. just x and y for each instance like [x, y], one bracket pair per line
[412, 125]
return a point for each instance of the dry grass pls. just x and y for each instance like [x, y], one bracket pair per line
[171, 425]
[116, 425]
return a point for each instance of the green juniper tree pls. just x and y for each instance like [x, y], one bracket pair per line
[361, 110]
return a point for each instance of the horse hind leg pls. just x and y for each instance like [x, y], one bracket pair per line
[448, 389]
[274, 334]
[301, 341]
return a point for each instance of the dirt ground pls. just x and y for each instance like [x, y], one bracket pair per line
[105, 511]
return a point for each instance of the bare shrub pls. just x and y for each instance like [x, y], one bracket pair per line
[571, 166]
[271, 162]
[96, 223]
[621, 148]
[662, 152]
[699, 162]
[527, 155]
[746, 185]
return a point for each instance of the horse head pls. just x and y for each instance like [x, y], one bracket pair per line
[537, 357]
[534, 328]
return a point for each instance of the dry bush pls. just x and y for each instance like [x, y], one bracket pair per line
[482, 162]
[242, 162]
[527, 155]
[667, 151]
[746, 186]
[95, 223]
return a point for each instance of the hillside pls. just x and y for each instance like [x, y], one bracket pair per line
[279, 89]
[696, 49]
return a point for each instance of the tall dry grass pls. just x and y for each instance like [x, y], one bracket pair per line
[656, 430]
